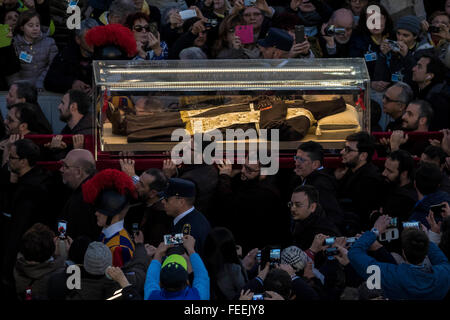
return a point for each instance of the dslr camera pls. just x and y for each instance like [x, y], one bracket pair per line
[332, 30]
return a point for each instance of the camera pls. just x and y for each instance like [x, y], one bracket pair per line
[62, 228]
[332, 30]
[434, 29]
[249, 3]
[173, 239]
[211, 23]
[415, 225]
[394, 45]
[329, 241]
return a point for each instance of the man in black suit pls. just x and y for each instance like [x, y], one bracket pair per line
[310, 171]
[179, 198]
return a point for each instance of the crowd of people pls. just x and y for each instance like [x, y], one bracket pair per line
[308, 234]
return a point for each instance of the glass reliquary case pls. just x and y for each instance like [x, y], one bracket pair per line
[139, 104]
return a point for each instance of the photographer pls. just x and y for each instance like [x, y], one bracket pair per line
[410, 280]
[397, 59]
[335, 35]
[168, 280]
[196, 36]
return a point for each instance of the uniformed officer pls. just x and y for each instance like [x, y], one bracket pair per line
[179, 198]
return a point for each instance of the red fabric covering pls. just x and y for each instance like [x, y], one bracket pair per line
[115, 34]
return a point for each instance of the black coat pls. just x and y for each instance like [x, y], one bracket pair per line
[360, 192]
[69, 65]
[253, 212]
[80, 216]
[438, 95]
[304, 231]
[326, 185]
[399, 201]
[27, 202]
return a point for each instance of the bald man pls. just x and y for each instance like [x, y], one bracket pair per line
[337, 46]
[77, 167]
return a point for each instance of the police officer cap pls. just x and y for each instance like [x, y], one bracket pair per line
[180, 188]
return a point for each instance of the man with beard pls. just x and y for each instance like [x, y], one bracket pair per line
[250, 207]
[309, 170]
[308, 217]
[149, 213]
[430, 85]
[400, 194]
[359, 182]
[436, 155]
[417, 118]
[337, 46]
[76, 168]
[74, 110]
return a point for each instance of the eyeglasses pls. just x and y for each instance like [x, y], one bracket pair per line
[65, 166]
[291, 204]
[385, 97]
[139, 28]
[347, 149]
[300, 159]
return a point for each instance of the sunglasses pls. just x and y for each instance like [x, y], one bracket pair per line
[139, 28]
[385, 97]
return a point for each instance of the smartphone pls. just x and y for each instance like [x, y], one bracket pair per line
[62, 228]
[188, 14]
[245, 33]
[275, 256]
[351, 240]
[329, 241]
[392, 223]
[434, 29]
[415, 225]
[135, 228]
[299, 34]
[258, 297]
[437, 210]
[249, 3]
[331, 251]
[173, 239]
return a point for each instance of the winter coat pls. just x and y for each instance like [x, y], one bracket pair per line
[35, 276]
[42, 50]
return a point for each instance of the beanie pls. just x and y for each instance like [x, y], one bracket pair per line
[410, 23]
[295, 257]
[97, 258]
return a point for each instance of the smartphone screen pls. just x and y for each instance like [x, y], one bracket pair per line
[437, 210]
[258, 297]
[329, 241]
[62, 227]
[275, 255]
[299, 34]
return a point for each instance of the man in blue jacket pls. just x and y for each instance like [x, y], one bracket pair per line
[169, 281]
[412, 280]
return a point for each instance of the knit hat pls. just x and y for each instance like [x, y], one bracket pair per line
[97, 258]
[410, 23]
[192, 53]
[295, 257]
[173, 272]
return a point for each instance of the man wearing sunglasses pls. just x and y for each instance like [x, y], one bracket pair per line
[395, 100]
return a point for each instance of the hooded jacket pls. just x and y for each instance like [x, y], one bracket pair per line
[404, 281]
[42, 50]
[35, 276]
